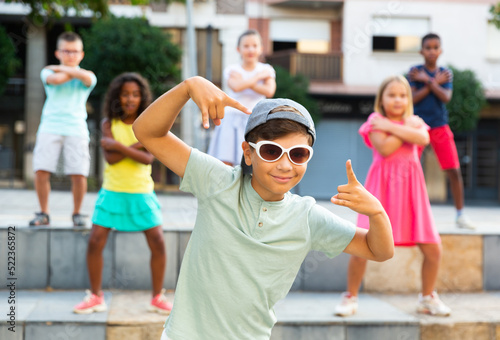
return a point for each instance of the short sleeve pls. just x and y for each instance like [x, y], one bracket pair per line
[330, 234]
[93, 82]
[366, 128]
[44, 75]
[412, 83]
[206, 175]
[227, 71]
[271, 69]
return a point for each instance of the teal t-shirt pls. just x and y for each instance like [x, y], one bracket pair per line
[64, 112]
[244, 253]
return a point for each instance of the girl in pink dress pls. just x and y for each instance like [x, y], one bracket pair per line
[397, 180]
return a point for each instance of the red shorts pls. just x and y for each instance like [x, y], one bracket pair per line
[443, 143]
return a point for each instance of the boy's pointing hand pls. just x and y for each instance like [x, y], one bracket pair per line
[211, 100]
[354, 195]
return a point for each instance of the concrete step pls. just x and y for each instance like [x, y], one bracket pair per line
[55, 258]
[47, 315]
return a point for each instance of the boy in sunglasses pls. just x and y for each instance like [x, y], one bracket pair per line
[251, 234]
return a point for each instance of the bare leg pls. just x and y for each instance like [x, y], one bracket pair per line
[430, 266]
[457, 187]
[79, 187]
[42, 187]
[97, 242]
[154, 237]
[355, 272]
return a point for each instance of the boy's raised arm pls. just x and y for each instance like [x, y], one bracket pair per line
[377, 243]
[152, 127]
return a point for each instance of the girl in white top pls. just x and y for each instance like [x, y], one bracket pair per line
[248, 83]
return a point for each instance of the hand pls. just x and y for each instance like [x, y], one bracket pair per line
[419, 75]
[381, 124]
[211, 100]
[443, 77]
[109, 144]
[354, 195]
[414, 122]
[55, 68]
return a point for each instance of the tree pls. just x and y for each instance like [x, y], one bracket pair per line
[495, 11]
[467, 101]
[295, 88]
[41, 9]
[8, 59]
[116, 45]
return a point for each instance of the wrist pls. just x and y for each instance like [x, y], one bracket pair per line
[430, 81]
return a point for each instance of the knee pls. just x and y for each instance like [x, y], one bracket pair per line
[434, 254]
[357, 261]
[96, 244]
[157, 244]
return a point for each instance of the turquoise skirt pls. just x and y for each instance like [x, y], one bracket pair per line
[127, 212]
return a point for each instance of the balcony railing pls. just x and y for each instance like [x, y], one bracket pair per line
[317, 67]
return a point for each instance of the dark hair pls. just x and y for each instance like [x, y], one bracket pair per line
[248, 32]
[112, 108]
[430, 36]
[276, 128]
[69, 37]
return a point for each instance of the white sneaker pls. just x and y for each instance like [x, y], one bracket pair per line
[348, 306]
[464, 222]
[432, 304]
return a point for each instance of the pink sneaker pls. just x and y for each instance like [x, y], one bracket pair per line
[159, 304]
[90, 304]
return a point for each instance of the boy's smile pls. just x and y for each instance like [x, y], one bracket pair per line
[271, 180]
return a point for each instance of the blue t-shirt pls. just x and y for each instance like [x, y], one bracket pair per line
[431, 109]
[244, 253]
[64, 112]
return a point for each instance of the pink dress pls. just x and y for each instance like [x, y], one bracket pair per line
[398, 182]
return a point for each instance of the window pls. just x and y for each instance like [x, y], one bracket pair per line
[305, 36]
[398, 34]
[493, 42]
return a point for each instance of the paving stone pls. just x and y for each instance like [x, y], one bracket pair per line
[316, 332]
[384, 332]
[172, 270]
[491, 262]
[5, 333]
[32, 257]
[132, 256]
[64, 331]
[321, 273]
[68, 259]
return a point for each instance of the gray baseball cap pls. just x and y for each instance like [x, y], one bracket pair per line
[260, 114]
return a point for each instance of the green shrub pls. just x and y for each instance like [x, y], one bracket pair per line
[116, 45]
[296, 88]
[467, 101]
[8, 59]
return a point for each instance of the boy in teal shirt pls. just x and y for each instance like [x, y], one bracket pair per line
[63, 126]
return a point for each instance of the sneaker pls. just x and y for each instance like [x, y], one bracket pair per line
[432, 304]
[159, 304]
[91, 303]
[464, 222]
[40, 219]
[79, 220]
[348, 306]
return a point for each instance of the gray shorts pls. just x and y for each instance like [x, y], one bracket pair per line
[76, 156]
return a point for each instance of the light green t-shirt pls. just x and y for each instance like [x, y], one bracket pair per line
[243, 254]
[64, 112]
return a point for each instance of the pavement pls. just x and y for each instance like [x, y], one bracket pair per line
[17, 208]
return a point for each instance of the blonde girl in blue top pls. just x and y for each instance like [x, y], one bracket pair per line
[126, 201]
[251, 234]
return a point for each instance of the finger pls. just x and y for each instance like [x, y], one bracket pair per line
[204, 118]
[236, 104]
[351, 177]
[217, 121]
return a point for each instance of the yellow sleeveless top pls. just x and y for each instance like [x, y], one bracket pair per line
[126, 175]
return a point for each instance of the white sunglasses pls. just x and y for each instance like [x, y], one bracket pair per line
[270, 152]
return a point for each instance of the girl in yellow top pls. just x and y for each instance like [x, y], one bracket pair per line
[126, 201]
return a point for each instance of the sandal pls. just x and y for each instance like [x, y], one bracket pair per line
[41, 219]
[79, 220]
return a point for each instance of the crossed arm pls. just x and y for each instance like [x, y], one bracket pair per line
[267, 87]
[115, 151]
[433, 85]
[64, 74]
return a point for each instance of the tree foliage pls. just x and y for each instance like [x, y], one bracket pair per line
[116, 45]
[8, 59]
[54, 9]
[295, 88]
[467, 101]
[495, 12]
